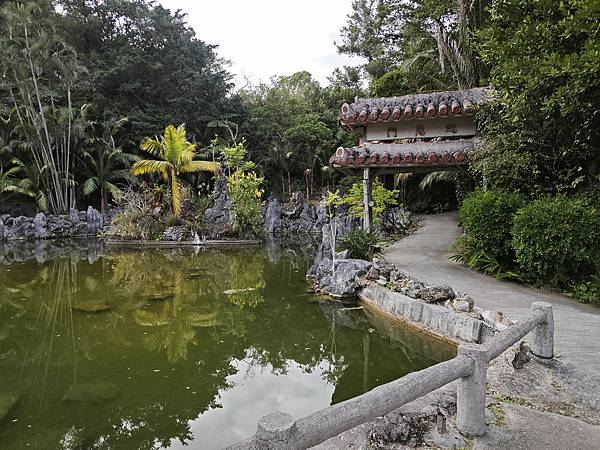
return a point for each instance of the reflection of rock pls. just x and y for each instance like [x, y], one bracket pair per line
[91, 306]
[343, 315]
[7, 401]
[92, 393]
[273, 248]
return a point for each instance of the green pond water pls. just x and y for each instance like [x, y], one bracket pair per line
[181, 348]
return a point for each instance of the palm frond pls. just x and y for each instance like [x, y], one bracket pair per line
[437, 177]
[147, 166]
[90, 186]
[175, 142]
[153, 146]
[200, 166]
[114, 191]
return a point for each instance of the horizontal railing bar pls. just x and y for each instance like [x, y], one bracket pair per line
[329, 422]
[514, 333]
[326, 423]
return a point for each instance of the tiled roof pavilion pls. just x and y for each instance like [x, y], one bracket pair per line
[415, 149]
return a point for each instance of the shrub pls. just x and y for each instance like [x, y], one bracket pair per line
[359, 243]
[487, 219]
[587, 291]
[245, 189]
[380, 196]
[557, 240]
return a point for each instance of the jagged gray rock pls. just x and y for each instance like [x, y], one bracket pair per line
[219, 216]
[95, 220]
[436, 294]
[343, 280]
[40, 223]
[273, 217]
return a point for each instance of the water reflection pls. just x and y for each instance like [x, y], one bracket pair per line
[155, 349]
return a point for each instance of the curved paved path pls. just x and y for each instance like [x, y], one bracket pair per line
[425, 254]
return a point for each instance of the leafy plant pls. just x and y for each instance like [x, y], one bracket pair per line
[487, 219]
[477, 259]
[105, 162]
[381, 197]
[360, 244]
[245, 189]
[557, 240]
[175, 157]
[587, 291]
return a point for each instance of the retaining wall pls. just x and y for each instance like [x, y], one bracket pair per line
[436, 319]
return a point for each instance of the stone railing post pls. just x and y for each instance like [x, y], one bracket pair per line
[276, 432]
[470, 392]
[542, 339]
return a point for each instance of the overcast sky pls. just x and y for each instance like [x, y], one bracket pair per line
[263, 38]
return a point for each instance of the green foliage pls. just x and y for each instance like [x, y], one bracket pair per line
[106, 165]
[392, 83]
[38, 76]
[359, 243]
[245, 189]
[381, 197]
[487, 219]
[587, 291]
[543, 136]
[175, 157]
[431, 41]
[234, 158]
[557, 240]
[145, 62]
[466, 252]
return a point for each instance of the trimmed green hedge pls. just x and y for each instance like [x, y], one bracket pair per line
[487, 218]
[557, 241]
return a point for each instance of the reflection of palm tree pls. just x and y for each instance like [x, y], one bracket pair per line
[175, 324]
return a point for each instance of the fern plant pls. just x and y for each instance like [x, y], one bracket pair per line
[360, 244]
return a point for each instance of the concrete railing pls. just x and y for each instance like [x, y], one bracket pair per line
[280, 431]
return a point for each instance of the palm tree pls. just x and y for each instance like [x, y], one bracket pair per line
[24, 179]
[107, 164]
[175, 157]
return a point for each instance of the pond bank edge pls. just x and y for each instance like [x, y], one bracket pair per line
[435, 320]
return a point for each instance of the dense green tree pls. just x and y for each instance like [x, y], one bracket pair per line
[39, 74]
[105, 164]
[431, 41]
[146, 63]
[542, 134]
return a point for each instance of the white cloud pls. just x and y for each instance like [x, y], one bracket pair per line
[263, 38]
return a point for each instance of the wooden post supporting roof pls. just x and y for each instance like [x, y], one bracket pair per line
[367, 220]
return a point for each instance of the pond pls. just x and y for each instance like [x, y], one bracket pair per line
[158, 348]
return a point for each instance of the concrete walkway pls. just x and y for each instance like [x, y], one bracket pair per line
[425, 254]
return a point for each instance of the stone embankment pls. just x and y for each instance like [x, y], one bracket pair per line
[438, 309]
[49, 226]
